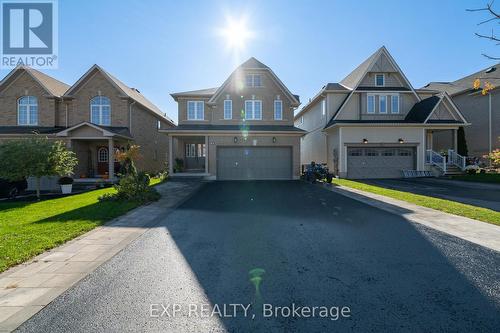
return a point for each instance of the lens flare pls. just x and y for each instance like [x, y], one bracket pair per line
[236, 33]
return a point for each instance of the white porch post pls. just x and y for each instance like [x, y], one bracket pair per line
[206, 153]
[455, 140]
[111, 159]
[170, 155]
[429, 140]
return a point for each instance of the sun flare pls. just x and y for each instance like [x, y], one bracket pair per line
[236, 33]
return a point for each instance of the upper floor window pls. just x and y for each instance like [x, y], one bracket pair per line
[253, 110]
[395, 104]
[253, 80]
[228, 109]
[27, 110]
[100, 110]
[379, 80]
[195, 110]
[370, 104]
[278, 110]
[382, 101]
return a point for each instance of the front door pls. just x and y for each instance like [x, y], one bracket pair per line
[195, 156]
[102, 161]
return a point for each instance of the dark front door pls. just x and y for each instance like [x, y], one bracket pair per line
[195, 156]
[102, 161]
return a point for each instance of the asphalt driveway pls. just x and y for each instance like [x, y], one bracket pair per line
[317, 248]
[476, 194]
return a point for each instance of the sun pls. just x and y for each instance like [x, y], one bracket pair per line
[236, 33]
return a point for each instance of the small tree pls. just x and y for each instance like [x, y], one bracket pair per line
[461, 142]
[127, 160]
[35, 157]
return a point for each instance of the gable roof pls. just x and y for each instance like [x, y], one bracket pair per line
[52, 86]
[422, 111]
[131, 93]
[195, 93]
[354, 78]
[107, 131]
[253, 63]
[466, 83]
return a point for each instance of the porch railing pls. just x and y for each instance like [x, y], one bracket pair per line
[431, 157]
[456, 159]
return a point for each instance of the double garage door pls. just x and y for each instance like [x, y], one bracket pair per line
[253, 163]
[379, 162]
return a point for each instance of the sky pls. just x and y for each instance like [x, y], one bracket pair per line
[161, 47]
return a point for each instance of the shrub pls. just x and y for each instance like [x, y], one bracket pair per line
[65, 181]
[134, 187]
[472, 169]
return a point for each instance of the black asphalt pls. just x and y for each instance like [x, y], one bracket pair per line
[317, 248]
[487, 196]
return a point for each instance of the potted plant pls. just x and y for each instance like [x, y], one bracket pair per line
[66, 184]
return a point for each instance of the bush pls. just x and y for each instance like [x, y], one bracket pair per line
[472, 169]
[65, 181]
[134, 187]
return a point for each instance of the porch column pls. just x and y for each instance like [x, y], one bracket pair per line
[111, 159]
[455, 140]
[206, 153]
[429, 140]
[170, 155]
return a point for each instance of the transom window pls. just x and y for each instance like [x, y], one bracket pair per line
[278, 110]
[228, 109]
[100, 110]
[379, 80]
[388, 152]
[371, 152]
[395, 104]
[195, 110]
[27, 110]
[404, 152]
[356, 152]
[253, 110]
[382, 101]
[370, 105]
[253, 80]
[102, 155]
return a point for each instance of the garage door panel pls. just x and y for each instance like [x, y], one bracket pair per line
[379, 162]
[247, 163]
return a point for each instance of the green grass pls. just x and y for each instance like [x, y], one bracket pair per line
[30, 228]
[480, 177]
[447, 206]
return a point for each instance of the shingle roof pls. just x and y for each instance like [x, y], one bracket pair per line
[119, 130]
[29, 130]
[353, 78]
[270, 128]
[466, 83]
[383, 88]
[53, 86]
[201, 92]
[421, 110]
[253, 63]
[335, 86]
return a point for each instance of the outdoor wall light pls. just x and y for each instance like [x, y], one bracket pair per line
[401, 140]
[235, 139]
[274, 139]
[365, 140]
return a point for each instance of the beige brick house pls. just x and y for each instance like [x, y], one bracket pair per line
[239, 131]
[96, 116]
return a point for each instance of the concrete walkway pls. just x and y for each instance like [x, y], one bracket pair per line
[482, 233]
[27, 288]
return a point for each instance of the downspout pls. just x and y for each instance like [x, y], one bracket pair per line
[489, 125]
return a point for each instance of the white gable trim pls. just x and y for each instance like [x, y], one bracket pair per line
[448, 98]
[442, 98]
[104, 132]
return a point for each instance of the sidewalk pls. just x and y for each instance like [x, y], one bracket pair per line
[27, 288]
[481, 233]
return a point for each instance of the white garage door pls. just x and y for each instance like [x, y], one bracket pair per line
[379, 162]
[247, 163]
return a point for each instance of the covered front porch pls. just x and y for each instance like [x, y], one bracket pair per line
[188, 155]
[442, 150]
[96, 148]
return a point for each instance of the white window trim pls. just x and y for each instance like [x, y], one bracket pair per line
[100, 106]
[281, 103]
[380, 104]
[323, 107]
[253, 80]
[28, 111]
[253, 101]
[230, 110]
[102, 149]
[392, 104]
[383, 80]
[368, 103]
[196, 103]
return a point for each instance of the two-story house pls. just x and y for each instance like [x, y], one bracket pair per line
[96, 116]
[374, 124]
[241, 130]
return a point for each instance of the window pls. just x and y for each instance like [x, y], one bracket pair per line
[253, 80]
[195, 150]
[27, 110]
[228, 109]
[323, 107]
[404, 152]
[355, 152]
[253, 110]
[395, 104]
[278, 110]
[379, 80]
[370, 104]
[382, 104]
[371, 152]
[195, 110]
[388, 152]
[100, 110]
[102, 155]
[190, 150]
[201, 150]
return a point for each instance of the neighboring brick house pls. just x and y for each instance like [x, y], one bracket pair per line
[96, 116]
[240, 130]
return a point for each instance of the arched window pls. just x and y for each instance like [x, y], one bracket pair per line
[27, 110]
[100, 110]
[102, 154]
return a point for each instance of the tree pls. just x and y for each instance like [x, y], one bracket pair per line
[35, 157]
[461, 142]
[127, 160]
[494, 17]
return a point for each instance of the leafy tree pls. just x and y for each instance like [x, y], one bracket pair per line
[127, 160]
[461, 142]
[35, 157]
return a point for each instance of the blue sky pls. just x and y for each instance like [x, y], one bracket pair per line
[162, 47]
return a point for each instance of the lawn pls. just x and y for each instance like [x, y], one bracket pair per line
[452, 207]
[480, 177]
[30, 228]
